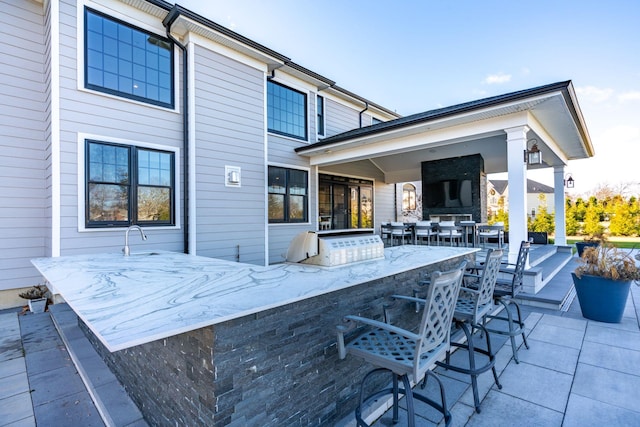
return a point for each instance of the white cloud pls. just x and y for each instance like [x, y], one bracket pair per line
[497, 78]
[629, 96]
[594, 94]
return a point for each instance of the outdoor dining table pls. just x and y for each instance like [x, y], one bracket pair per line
[469, 229]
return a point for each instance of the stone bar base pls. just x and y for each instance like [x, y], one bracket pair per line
[273, 368]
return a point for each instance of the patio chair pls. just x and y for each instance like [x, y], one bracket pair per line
[448, 230]
[495, 231]
[405, 354]
[385, 232]
[400, 231]
[474, 303]
[504, 293]
[425, 230]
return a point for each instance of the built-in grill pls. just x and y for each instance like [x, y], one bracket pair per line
[310, 248]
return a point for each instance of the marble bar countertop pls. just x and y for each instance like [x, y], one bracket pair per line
[128, 301]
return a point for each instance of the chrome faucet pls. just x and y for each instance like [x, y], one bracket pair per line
[126, 238]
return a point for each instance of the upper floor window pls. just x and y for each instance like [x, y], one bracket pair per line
[409, 197]
[128, 185]
[320, 114]
[286, 111]
[288, 193]
[127, 61]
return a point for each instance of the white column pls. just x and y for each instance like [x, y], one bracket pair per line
[517, 178]
[558, 201]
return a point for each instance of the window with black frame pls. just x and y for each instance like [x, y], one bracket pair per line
[286, 111]
[288, 195]
[320, 114]
[126, 61]
[128, 185]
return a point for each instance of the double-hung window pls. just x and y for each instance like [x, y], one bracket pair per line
[128, 185]
[286, 111]
[126, 61]
[288, 195]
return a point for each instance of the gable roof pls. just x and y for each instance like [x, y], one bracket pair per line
[440, 113]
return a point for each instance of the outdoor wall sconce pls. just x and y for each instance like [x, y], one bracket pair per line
[534, 155]
[569, 182]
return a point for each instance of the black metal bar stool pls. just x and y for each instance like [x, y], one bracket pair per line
[406, 354]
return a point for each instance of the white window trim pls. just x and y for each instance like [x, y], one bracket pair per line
[324, 116]
[82, 138]
[134, 18]
[299, 88]
[266, 194]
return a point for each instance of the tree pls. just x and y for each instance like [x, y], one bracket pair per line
[622, 223]
[572, 224]
[591, 225]
[543, 221]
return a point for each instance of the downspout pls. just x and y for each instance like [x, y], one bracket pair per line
[366, 107]
[168, 22]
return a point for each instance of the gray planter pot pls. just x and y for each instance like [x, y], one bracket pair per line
[37, 305]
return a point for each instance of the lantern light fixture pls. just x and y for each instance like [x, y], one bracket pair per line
[533, 156]
[569, 182]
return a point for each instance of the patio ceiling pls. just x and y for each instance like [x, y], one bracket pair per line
[398, 147]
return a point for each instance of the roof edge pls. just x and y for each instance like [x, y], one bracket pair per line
[446, 112]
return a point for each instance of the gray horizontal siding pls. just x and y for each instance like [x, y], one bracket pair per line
[107, 118]
[339, 118]
[22, 140]
[229, 131]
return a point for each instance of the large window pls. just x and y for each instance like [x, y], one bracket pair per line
[288, 193]
[286, 111]
[320, 114]
[128, 185]
[126, 61]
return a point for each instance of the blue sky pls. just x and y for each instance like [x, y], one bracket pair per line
[413, 56]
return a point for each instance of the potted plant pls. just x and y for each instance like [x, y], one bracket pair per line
[602, 282]
[36, 297]
[593, 240]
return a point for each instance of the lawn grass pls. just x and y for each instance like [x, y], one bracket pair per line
[619, 242]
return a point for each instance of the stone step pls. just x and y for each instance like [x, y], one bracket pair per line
[112, 401]
[555, 290]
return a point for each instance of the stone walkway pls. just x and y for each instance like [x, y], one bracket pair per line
[577, 373]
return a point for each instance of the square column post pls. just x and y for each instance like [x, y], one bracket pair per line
[560, 210]
[517, 178]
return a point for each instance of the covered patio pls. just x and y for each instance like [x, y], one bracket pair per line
[501, 129]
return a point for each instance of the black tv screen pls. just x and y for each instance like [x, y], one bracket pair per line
[449, 193]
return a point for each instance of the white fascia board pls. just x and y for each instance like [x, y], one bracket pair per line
[420, 137]
[184, 25]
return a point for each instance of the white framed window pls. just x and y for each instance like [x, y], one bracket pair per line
[123, 60]
[123, 182]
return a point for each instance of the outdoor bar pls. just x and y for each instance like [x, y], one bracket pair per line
[203, 341]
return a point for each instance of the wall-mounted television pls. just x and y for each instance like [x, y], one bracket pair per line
[450, 193]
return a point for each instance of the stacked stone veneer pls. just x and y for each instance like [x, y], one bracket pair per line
[458, 168]
[279, 367]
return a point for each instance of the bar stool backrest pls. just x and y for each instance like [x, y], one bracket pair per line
[437, 316]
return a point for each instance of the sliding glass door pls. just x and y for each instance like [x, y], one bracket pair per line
[345, 203]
